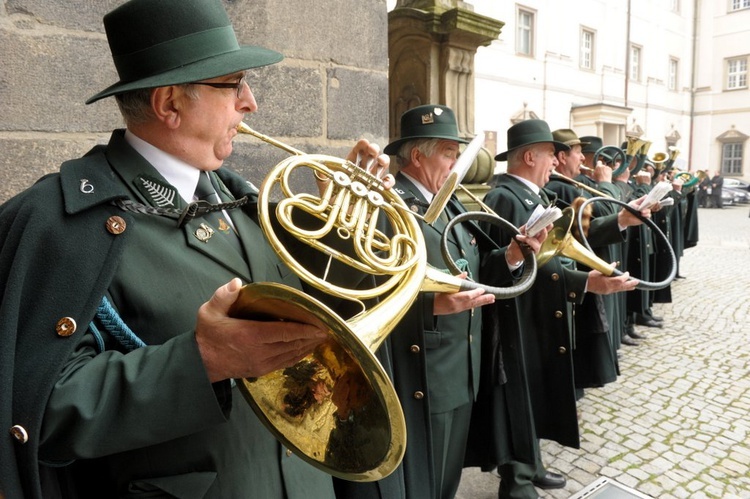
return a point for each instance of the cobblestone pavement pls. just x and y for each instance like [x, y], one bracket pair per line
[676, 423]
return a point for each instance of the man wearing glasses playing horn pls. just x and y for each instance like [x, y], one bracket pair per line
[122, 370]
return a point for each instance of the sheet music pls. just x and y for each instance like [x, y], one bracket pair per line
[541, 217]
[657, 192]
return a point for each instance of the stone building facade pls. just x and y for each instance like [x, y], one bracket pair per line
[331, 89]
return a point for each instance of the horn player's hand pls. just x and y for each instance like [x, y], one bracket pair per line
[627, 219]
[453, 303]
[602, 285]
[534, 243]
[239, 348]
[367, 155]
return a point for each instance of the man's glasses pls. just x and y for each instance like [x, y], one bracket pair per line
[239, 85]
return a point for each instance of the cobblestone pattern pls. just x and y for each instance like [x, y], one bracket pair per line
[676, 423]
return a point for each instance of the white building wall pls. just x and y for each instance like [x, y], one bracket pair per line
[701, 36]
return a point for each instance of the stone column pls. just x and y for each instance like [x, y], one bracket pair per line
[431, 46]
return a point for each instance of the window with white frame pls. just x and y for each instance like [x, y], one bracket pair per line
[635, 63]
[731, 158]
[525, 32]
[737, 73]
[740, 4]
[587, 49]
[674, 67]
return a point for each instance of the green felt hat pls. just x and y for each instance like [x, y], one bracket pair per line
[431, 121]
[530, 132]
[593, 144]
[568, 137]
[156, 43]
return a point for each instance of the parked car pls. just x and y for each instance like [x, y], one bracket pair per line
[737, 183]
[739, 195]
[727, 199]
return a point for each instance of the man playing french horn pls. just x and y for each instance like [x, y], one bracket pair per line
[435, 350]
[123, 367]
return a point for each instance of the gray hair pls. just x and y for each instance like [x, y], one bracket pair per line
[135, 106]
[424, 146]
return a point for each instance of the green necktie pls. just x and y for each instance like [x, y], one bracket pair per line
[205, 191]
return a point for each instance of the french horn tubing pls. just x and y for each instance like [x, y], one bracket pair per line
[337, 408]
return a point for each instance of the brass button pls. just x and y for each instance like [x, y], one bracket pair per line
[289, 453]
[116, 225]
[19, 433]
[558, 314]
[572, 295]
[65, 327]
[414, 208]
[555, 276]
[562, 350]
[414, 348]
[418, 395]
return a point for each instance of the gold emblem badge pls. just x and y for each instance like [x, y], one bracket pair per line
[428, 119]
[204, 233]
[224, 226]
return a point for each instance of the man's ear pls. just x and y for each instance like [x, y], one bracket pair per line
[166, 105]
[415, 156]
[528, 157]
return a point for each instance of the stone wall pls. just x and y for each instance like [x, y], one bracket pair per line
[331, 89]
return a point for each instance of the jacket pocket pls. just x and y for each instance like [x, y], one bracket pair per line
[432, 339]
[185, 486]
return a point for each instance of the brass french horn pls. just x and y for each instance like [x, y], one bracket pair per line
[337, 408]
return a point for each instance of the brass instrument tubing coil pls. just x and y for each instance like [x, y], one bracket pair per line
[530, 266]
[644, 285]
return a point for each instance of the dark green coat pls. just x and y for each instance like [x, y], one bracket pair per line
[435, 359]
[599, 320]
[543, 325]
[148, 420]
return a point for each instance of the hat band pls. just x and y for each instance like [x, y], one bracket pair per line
[175, 53]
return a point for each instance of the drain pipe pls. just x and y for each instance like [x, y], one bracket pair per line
[627, 58]
[693, 65]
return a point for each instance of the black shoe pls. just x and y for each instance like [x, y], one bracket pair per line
[635, 335]
[549, 481]
[648, 323]
[627, 340]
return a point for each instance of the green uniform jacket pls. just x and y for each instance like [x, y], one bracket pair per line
[146, 422]
[544, 323]
[435, 359]
[599, 320]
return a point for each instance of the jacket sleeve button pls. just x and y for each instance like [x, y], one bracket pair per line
[65, 327]
[418, 395]
[19, 433]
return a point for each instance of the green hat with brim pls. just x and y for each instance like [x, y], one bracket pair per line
[156, 43]
[530, 132]
[430, 121]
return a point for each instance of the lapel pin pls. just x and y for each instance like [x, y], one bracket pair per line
[204, 233]
[86, 188]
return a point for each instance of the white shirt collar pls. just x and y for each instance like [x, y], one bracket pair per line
[531, 185]
[182, 176]
[422, 189]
